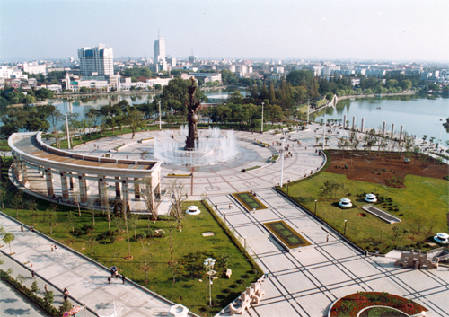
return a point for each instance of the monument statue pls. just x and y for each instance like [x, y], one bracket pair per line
[192, 105]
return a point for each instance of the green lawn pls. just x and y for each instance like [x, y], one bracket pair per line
[422, 207]
[190, 249]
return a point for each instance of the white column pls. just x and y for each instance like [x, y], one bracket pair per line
[362, 129]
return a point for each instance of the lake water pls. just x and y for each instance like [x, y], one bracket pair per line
[418, 114]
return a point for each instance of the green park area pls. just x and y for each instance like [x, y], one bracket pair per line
[165, 255]
[422, 207]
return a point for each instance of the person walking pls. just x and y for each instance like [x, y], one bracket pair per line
[327, 238]
[52, 247]
[46, 288]
[21, 228]
[66, 294]
[56, 247]
[32, 274]
[123, 279]
[109, 280]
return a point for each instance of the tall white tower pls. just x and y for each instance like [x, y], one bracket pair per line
[159, 50]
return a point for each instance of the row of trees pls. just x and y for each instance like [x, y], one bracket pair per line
[13, 96]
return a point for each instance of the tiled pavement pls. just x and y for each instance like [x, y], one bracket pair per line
[305, 281]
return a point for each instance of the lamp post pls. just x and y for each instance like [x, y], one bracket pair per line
[439, 139]
[346, 222]
[209, 264]
[288, 182]
[315, 206]
[261, 120]
[281, 153]
[160, 116]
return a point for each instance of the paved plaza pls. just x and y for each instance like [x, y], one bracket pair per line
[303, 282]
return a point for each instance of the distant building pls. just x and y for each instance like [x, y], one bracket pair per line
[96, 61]
[192, 59]
[159, 50]
[34, 68]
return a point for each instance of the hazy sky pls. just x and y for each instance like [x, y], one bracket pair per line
[377, 29]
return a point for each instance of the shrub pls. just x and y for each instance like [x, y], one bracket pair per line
[240, 281]
[112, 239]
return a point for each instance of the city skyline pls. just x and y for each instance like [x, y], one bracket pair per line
[359, 30]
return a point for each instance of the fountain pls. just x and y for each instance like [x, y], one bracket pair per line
[211, 147]
[208, 147]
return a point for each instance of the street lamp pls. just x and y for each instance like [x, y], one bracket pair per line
[281, 153]
[315, 206]
[160, 116]
[209, 264]
[346, 222]
[439, 139]
[288, 182]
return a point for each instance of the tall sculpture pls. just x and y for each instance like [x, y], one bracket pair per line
[192, 105]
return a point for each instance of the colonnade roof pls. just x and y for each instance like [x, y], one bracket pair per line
[30, 144]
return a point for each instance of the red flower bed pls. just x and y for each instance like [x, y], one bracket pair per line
[350, 305]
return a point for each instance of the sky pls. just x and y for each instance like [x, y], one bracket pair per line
[291, 29]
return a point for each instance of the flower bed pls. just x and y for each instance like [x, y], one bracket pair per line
[145, 140]
[351, 305]
[248, 201]
[179, 175]
[274, 158]
[286, 234]
[250, 169]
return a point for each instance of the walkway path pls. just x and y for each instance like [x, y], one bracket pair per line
[85, 280]
[305, 281]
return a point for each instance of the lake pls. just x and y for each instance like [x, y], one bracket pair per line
[417, 113]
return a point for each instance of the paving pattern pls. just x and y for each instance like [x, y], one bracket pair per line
[306, 281]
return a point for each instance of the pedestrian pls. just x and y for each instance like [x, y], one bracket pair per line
[327, 238]
[32, 229]
[46, 288]
[109, 280]
[21, 228]
[230, 205]
[123, 279]
[31, 264]
[56, 247]
[51, 247]
[32, 274]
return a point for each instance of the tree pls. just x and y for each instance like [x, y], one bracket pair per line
[406, 84]
[178, 193]
[34, 287]
[133, 221]
[50, 216]
[271, 93]
[330, 187]
[145, 258]
[134, 120]
[21, 279]
[71, 220]
[17, 202]
[150, 203]
[65, 307]
[8, 238]
[91, 242]
[49, 297]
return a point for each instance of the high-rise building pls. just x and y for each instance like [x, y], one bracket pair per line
[96, 61]
[159, 50]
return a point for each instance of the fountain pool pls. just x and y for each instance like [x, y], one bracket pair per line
[213, 146]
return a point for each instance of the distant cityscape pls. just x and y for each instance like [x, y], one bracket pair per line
[97, 70]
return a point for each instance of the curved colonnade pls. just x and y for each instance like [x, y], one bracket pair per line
[29, 152]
